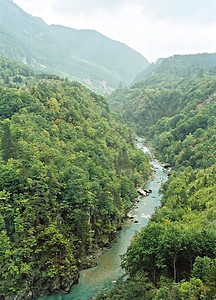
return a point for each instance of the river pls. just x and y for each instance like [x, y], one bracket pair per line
[108, 269]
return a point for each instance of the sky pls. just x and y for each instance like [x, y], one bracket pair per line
[154, 28]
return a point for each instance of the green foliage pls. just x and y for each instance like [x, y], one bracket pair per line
[141, 288]
[163, 98]
[179, 242]
[177, 248]
[184, 66]
[68, 175]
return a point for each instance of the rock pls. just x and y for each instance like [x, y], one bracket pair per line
[167, 165]
[148, 191]
[169, 172]
[141, 192]
[130, 216]
[128, 278]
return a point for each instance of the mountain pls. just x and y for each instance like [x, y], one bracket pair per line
[83, 55]
[174, 255]
[160, 89]
[68, 176]
[159, 96]
[181, 65]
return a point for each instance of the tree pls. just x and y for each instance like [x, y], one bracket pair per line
[144, 252]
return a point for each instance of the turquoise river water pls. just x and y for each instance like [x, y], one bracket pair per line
[108, 269]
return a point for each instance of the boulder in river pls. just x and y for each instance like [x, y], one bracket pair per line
[167, 165]
[148, 191]
[141, 192]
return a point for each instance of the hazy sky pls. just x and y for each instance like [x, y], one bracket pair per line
[155, 28]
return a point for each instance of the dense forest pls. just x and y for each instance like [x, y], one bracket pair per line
[69, 167]
[174, 256]
[181, 65]
[68, 175]
[159, 96]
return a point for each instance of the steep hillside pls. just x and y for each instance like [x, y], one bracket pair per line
[85, 55]
[184, 66]
[68, 175]
[161, 96]
[174, 256]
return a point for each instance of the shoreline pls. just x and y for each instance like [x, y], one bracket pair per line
[90, 261]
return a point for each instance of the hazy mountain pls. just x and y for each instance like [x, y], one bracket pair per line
[85, 55]
[181, 65]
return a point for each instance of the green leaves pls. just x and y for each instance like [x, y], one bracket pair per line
[68, 175]
[177, 248]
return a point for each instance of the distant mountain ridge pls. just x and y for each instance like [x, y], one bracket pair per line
[83, 55]
[181, 65]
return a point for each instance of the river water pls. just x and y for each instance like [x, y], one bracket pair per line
[108, 269]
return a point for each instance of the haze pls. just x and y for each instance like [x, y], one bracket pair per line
[153, 28]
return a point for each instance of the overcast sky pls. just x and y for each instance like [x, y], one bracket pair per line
[155, 28]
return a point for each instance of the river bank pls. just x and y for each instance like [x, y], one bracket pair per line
[108, 268]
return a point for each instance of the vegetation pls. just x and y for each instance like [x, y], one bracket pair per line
[158, 96]
[84, 55]
[184, 66]
[174, 256]
[68, 175]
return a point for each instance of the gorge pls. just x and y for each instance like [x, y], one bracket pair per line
[108, 268]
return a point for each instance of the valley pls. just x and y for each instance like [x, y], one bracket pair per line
[108, 268]
[76, 181]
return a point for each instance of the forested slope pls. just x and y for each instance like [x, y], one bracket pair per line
[174, 256]
[161, 96]
[84, 55]
[185, 66]
[68, 175]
